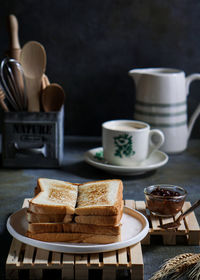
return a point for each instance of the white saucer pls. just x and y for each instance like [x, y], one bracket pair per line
[95, 158]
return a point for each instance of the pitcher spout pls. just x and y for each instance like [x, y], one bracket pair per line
[135, 74]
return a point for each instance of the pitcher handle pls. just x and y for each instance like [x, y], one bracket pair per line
[196, 113]
[155, 144]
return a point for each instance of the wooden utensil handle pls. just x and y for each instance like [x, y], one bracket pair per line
[4, 106]
[13, 25]
[194, 206]
[2, 103]
[33, 93]
[15, 53]
[45, 81]
[14, 39]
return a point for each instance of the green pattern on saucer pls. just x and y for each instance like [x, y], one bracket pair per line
[99, 155]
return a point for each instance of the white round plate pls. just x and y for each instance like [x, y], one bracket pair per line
[134, 228]
[95, 158]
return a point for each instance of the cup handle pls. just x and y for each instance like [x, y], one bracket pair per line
[196, 113]
[155, 144]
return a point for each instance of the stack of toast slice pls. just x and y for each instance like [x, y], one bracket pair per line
[66, 212]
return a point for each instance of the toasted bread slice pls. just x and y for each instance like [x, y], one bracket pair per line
[100, 198]
[55, 196]
[75, 237]
[48, 218]
[45, 227]
[73, 228]
[101, 220]
[94, 229]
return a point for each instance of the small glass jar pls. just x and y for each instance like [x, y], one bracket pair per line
[164, 200]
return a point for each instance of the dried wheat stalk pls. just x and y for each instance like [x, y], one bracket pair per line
[177, 266]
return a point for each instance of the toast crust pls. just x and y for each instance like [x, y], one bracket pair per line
[45, 227]
[49, 209]
[111, 220]
[73, 228]
[48, 218]
[93, 229]
[75, 237]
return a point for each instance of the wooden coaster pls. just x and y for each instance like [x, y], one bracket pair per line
[188, 233]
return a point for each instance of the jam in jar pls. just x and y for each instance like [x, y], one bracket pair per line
[164, 200]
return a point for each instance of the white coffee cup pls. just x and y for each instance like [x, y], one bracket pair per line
[129, 142]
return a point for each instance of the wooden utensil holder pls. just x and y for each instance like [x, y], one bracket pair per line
[32, 139]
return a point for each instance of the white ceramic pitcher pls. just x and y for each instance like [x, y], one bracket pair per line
[161, 101]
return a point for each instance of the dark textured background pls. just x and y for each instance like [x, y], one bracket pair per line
[91, 45]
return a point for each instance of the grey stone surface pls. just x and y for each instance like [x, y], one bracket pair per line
[182, 169]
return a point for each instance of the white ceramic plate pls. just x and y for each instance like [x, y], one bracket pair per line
[95, 158]
[134, 228]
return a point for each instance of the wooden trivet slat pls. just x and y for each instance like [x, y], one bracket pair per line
[28, 256]
[37, 260]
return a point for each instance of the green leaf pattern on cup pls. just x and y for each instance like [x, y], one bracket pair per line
[123, 145]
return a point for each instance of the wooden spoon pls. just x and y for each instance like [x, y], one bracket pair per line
[53, 98]
[33, 61]
[177, 223]
[15, 48]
